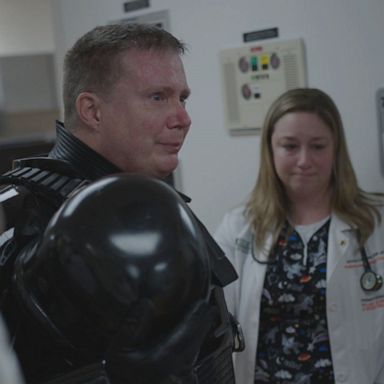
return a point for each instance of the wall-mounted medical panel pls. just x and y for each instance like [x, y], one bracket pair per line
[253, 76]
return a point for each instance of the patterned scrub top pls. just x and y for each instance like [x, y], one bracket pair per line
[293, 338]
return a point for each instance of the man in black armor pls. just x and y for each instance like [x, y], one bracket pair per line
[124, 96]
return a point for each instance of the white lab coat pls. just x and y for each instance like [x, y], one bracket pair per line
[10, 372]
[355, 317]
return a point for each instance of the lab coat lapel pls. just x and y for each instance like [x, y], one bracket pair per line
[338, 243]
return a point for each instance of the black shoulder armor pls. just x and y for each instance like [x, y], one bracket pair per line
[51, 178]
[31, 192]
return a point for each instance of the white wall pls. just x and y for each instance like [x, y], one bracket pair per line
[26, 36]
[28, 83]
[345, 55]
[26, 27]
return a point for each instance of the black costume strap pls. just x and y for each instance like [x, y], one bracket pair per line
[43, 181]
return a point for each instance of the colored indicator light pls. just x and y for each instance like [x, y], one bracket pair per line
[254, 63]
[264, 62]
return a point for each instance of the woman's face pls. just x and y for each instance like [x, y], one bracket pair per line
[303, 154]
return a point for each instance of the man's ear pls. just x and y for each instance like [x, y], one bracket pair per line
[88, 109]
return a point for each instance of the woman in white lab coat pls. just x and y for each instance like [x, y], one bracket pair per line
[309, 250]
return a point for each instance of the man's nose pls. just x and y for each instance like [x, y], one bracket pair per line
[179, 117]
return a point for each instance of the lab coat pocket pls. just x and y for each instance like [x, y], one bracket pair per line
[369, 319]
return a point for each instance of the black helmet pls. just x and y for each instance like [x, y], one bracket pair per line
[123, 250]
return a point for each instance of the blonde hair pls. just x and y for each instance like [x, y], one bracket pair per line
[267, 206]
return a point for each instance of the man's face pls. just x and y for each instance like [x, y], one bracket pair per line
[143, 119]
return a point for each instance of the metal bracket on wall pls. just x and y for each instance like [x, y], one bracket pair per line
[159, 18]
[134, 5]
